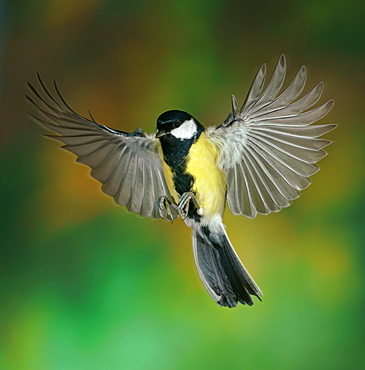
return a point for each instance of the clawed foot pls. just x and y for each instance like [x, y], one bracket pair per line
[164, 209]
[183, 206]
[165, 206]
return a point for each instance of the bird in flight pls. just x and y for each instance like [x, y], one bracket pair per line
[256, 161]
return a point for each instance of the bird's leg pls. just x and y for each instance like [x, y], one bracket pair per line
[164, 208]
[183, 206]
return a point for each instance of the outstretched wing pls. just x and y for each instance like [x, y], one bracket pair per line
[127, 164]
[269, 148]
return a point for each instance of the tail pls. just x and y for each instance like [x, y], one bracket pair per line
[220, 269]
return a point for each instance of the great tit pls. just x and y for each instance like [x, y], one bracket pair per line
[258, 160]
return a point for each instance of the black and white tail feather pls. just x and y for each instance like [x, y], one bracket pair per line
[220, 269]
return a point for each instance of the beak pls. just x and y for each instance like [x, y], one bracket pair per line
[160, 133]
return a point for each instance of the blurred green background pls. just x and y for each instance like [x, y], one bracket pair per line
[84, 284]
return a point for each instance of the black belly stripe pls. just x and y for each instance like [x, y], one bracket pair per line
[183, 182]
[176, 155]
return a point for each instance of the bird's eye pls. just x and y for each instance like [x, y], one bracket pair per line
[177, 124]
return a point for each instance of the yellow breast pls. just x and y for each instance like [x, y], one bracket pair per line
[209, 181]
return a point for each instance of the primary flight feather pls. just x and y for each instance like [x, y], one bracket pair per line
[258, 160]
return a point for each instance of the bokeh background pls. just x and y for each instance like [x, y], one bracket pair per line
[84, 284]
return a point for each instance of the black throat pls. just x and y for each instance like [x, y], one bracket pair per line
[175, 153]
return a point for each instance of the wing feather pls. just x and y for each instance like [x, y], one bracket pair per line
[284, 149]
[263, 188]
[256, 197]
[290, 94]
[293, 109]
[105, 164]
[269, 148]
[281, 163]
[120, 179]
[313, 131]
[147, 206]
[127, 164]
[255, 89]
[272, 88]
[246, 195]
[279, 189]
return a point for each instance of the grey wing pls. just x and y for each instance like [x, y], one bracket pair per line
[127, 164]
[269, 147]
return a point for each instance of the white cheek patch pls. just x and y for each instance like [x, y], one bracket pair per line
[186, 131]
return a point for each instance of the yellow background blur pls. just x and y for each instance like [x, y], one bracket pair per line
[84, 284]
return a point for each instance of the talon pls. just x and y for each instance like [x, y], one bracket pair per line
[164, 209]
[182, 214]
[161, 207]
[184, 202]
[169, 217]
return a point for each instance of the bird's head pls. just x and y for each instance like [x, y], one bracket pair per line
[176, 124]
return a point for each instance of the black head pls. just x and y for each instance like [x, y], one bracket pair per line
[179, 124]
